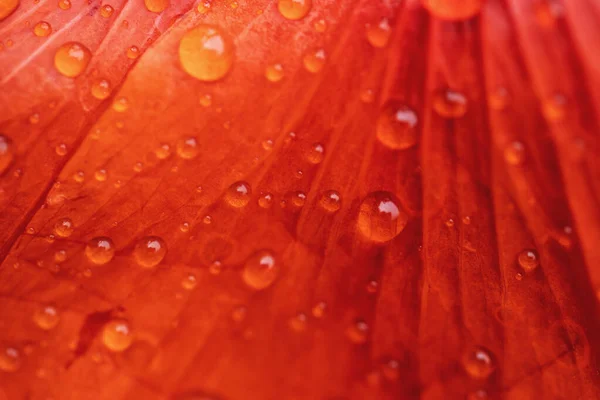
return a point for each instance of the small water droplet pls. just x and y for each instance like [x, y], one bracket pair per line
[298, 322]
[267, 144]
[239, 314]
[372, 287]
[163, 151]
[100, 250]
[6, 153]
[528, 260]
[187, 148]
[498, 98]
[206, 53]
[184, 227]
[207, 220]
[133, 52]
[320, 25]
[46, 317]
[60, 256]
[106, 10]
[64, 4]
[42, 29]
[265, 200]
[453, 10]
[10, 359]
[449, 103]
[61, 149]
[331, 201]
[204, 7]
[274, 72]
[367, 96]
[380, 217]
[379, 34]
[514, 153]
[319, 310]
[79, 176]
[554, 107]
[34, 118]
[314, 60]
[189, 282]
[294, 9]
[316, 153]
[391, 370]
[449, 222]
[64, 227]
[100, 175]
[156, 5]
[479, 363]
[117, 335]
[120, 104]
[260, 270]
[101, 89]
[358, 332]
[150, 251]
[215, 267]
[238, 194]
[397, 126]
[71, 59]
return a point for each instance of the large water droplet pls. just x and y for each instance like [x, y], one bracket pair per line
[100, 250]
[46, 317]
[71, 59]
[380, 217]
[106, 10]
[156, 5]
[397, 126]
[117, 335]
[150, 251]
[63, 227]
[315, 153]
[101, 89]
[260, 270]
[274, 72]
[238, 194]
[452, 9]
[64, 4]
[7, 7]
[206, 53]
[479, 363]
[379, 34]
[294, 9]
[6, 153]
[449, 103]
[42, 29]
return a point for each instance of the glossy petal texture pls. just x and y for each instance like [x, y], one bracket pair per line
[136, 199]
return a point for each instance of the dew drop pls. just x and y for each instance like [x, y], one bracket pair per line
[554, 107]
[239, 313]
[163, 151]
[100, 250]
[267, 144]
[358, 332]
[7, 7]
[391, 370]
[449, 103]
[260, 270]
[6, 153]
[453, 10]
[238, 194]
[60, 256]
[498, 99]
[320, 25]
[330, 201]
[184, 227]
[71, 59]
[206, 53]
[117, 335]
[61, 149]
[63, 227]
[46, 317]
[204, 7]
[528, 260]
[189, 282]
[187, 148]
[274, 72]
[316, 153]
[397, 126]
[514, 153]
[380, 218]
[120, 104]
[106, 10]
[319, 310]
[10, 359]
[294, 9]
[479, 363]
[101, 175]
[367, 96]
[206, 100]
[265, 200]
[150, 251]
[298, 322]
[79, 176]
[42, 29]
[294, 199]
[101, 89]
[34, 118]
[379, 34]
[64, 4]
[156, 5]
[133, 52]
[314, 60]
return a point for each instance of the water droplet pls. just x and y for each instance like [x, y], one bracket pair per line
[449, 103]
[316, 153]
[71, 59]
[479, 363]
[358, 332]
[101, 89]
[274, 72]
[101, 175]
[100, 250]
[46, 317]
[267, 144]
[156, 5]
[294, 199]
[6, 153]
[207, 220]
[106, 10]
[498, 99]
[453, 10]
[238, 194]
[64, 4]
[397, 126]
[206, 53]
[34, 118]
[449, 222]
[294, 9]
[187, 148]
[184, 227]
[63, 227]
[391, 370]
[7, 7]
[117, 335]
[133, 52]
[319, 309]
[239, 314]
[79, 176]
[163, 151]
[380, 218]
[466, 220]
[60, 256]
[320, 25]
[189, 282]
[10, 359]
[120, 104]
[260, 270]
[367, 96]
[150, 251]
[372, 287]
[61, 149]
[379, 34]
[203, 7]
[298, 322]
[206, 100]
[330, 201]
[518, 276]
[265, 200]
[314, 60]
[42, 29]
[514, 153]
[528, 260]
[554, 107]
